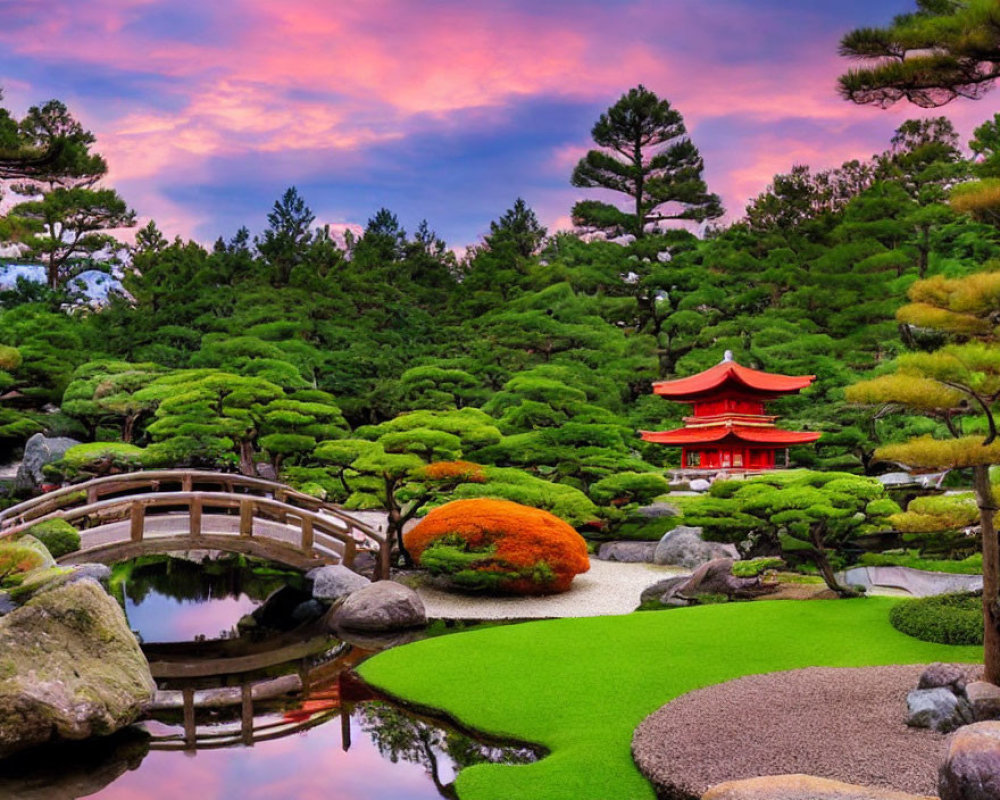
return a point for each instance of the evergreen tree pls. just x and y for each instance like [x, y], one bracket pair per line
[943, 50]
[517, 231]
[645, 154]
[288, 234]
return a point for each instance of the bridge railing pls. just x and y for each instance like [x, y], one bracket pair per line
[323, 529]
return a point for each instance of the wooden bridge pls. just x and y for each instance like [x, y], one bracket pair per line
[139, 513]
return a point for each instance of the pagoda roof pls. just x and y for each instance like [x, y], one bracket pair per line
[732, 375]
[752, 434]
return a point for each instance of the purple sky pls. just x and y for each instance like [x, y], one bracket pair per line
[444, 109]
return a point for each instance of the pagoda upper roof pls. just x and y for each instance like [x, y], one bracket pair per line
[730, 375]
[753, 434]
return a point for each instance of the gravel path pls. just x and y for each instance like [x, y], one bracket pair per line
[609, 587]
[842, 724]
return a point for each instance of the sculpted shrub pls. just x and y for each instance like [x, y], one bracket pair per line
[499, 546]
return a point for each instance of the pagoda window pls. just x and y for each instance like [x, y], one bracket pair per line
[737, 459]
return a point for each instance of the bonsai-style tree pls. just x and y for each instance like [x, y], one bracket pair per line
[804, 514]
[644, 154]
[943, 50]
[106, 391]
[955, 382]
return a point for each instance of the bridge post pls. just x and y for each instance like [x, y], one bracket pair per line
[246, 716]
[190, 728]
[307, 534]
[194, 515]
[186, 482]
[137, 521]
[383, 569]
[91, 494]
[246, 518]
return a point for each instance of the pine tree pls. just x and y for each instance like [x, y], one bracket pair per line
[645, 154]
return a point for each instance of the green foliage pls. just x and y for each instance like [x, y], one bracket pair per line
[946, 619]
[83, 461]
[752, 567]
[59, 537]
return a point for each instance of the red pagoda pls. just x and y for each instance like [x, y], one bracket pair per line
[729, 429]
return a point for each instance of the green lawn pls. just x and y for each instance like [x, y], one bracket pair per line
[580, 686]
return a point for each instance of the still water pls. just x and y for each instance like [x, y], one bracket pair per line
[333, 740]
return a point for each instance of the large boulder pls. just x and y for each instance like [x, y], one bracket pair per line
[683, 547]
[801, 787]
[943, 676]
[939, 709]
[381, 606]
[627, 552]
[714, 577]
[335, 581]
[70, 668]
[971, 770]
[983, 697]
[39, 451]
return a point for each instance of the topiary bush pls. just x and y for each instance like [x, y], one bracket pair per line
[96, 458]
[59, 537]
[498, 546]
[945, 619]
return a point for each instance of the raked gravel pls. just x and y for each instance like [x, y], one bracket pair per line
[844, 724]
[609, 587]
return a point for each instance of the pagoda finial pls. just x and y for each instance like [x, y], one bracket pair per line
[727, 357]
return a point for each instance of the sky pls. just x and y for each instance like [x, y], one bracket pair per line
[440, 109]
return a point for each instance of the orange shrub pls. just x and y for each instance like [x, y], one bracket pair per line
[450, 470]
[498, 544]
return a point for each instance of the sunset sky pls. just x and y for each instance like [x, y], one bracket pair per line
[444, 109]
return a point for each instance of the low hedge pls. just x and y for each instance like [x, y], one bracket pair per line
[945, 619]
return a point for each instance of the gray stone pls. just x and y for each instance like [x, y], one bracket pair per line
[946, 676]
[335, 581]
[897, 479]
[6, 604]
[70, 668]
[971, 770]
[381, 606]
[985, 700]
[308, 611]
[99, 572]
[699, 485]
[683, 547]
[938, 709]
[662, 591]
[627, 552]
[39, 451]
[658, 510]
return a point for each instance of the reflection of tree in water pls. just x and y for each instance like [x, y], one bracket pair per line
[179, 578]
[399, 736]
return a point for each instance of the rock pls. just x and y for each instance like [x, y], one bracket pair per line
[663, 590]
[699, 485]
[381, 606]
[32, 543]
[308, 611]
[70, 668]
[39, 451]
[801, 787]
[971, 770]
[99, 572]
[945, 676]
[627, 552]
[715, 577]
[938, 709]
[983, 697]
[658, 511]
[917, 582]
[683, 547]
[6, 604]
[44, 580]
[277, 612]
[897, 479]
[335, 581]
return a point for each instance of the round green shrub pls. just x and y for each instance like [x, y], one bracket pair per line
[945, 619]
[59, 537]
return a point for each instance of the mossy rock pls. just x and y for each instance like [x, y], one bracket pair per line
[21, 557]
[70, 668]
[59, 537]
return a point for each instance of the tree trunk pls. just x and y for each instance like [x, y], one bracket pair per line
[991, 573]
[823, 563]
[246, 459]
[394, 523]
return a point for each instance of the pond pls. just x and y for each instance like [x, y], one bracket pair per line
[214, 739]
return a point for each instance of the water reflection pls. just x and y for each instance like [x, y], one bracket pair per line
[304, 728]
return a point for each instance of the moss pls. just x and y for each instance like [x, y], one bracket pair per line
[59, 537]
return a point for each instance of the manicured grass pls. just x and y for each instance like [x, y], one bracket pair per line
[580, 686]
